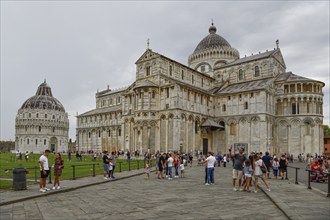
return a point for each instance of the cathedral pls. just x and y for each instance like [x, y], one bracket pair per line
[217, 101]
[42, 123]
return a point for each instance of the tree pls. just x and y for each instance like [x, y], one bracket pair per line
[326, 130]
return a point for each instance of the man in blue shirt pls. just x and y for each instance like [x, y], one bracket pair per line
[268, 161]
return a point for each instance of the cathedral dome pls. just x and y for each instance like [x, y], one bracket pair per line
[212, 41]
[43, 99]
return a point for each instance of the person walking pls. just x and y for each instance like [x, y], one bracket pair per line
[268, 163]
[182, 169]
[239, 159]
[275, 166]
[225, 160]
[210, 160]
[258, 163]
[219, 158]
[110, 168]
[283, 166]
[44, 171]
[58, 166]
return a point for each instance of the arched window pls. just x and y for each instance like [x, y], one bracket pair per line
[89, 135]
[256, 71]
[153, 94]
[148, 71]
[223, 107]
[232, 129]
[37, 115]
[29, 115]
[196, 127]
[39, 128]
[99, 133]
[28, 141]
[53, 116]
[246, 105]
[240, 74]
[307, 128]
[119, 132]
[171, 70]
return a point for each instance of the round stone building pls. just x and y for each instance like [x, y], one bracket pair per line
[42, 123]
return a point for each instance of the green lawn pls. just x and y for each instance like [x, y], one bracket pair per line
[82, 168]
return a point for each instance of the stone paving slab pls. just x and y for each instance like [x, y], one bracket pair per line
[296, 201]
[140, 198]
[183, 198]
[11, 196]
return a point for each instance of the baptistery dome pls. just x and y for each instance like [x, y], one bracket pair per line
[42, 123]
[43, 99]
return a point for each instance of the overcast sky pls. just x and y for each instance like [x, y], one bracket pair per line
[82, 46]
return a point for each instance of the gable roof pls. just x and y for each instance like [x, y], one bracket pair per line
[101, 110]
[245, 86]
[290, 77]
[250, 58]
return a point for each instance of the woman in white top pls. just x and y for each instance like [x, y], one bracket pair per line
[258, 163]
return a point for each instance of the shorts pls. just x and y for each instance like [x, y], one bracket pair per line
[160, 168]
[257, 176]
[247, 175]
[237, 174]
[268, 169]
[42, 175]
[106, 167]
[283, 170]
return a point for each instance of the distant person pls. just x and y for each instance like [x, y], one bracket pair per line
[147, 169]
[182, 169]
[219, 158]
[268, 162]
[283, 166]
[258, 163]
[247, 174]
[238, 167]
[94, 156]
[128, 154]
[225, 160]
[27, 156]
[114, 161]
[105, 165]
[210, 160]
[275, 166]
[110, 168]
[176, 163]
[58, 166]
[69, 156]
[44, 171]
[161, 165]
[20, 156]
[169, 166]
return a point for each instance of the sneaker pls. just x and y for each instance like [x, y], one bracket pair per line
[240, 189]
[234, 189]
[268, 189]
[105, 178]
[46, 189]
[206, 184]
[54, 188]
[58, 187]
[166, 176]
[42, 190]
[255, 191]
[212, 183]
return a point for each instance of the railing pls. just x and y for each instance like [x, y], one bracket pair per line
[309, 180]
[297, 168]
[80, 165]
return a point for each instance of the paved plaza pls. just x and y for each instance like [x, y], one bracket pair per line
[186, 198]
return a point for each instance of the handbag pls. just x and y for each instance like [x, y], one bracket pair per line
[263, 169]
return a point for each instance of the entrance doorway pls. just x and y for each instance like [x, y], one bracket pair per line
[53, 144]
[205, 146]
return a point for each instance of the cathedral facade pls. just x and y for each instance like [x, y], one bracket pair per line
[215, 102]
[42, 123]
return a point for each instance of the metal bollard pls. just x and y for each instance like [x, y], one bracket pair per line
[35, 175]
[120, 167]
[309, 180]
[138, 164]
[50, 175]
[93, 169]
[129, 165]
[73, 172]
[328, 174]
